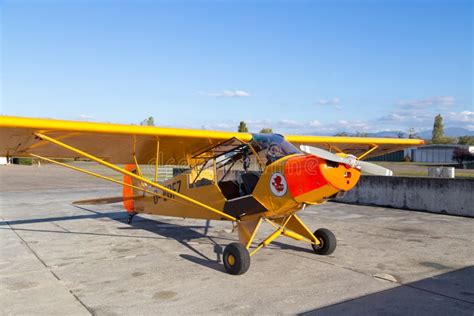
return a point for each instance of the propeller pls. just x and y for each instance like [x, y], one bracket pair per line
[350, 160]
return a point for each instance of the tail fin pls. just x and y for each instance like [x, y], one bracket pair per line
[127, 191]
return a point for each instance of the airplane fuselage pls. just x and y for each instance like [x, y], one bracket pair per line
[282, 188]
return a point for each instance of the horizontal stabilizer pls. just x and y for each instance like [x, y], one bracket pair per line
[106, 200]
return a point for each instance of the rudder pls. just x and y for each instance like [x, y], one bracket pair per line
[127, 192]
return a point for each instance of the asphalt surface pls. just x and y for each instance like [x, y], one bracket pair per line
[56, 258]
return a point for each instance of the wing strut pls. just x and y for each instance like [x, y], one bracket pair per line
[157, 159]
[374, 147]
[103, 177]
[139, 178]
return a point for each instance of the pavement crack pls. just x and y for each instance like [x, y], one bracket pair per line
[49, 269]
[61, 227]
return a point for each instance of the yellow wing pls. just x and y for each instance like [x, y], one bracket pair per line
[117, 143]
[356, 146]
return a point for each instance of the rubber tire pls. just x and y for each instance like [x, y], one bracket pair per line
[328, 240]
[242, 258]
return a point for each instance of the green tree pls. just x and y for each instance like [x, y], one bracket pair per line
[447, 141]
[361, 134]
[266, 130]
[438, 130]
[466, 140]
[341, 134]
[148, 122]
[243, 127]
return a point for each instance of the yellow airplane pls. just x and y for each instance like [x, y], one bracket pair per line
[243, 178]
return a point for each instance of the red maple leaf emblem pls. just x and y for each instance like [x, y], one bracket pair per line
[277, 184]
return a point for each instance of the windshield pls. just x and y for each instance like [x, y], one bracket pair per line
[233, 157]
[271, 147]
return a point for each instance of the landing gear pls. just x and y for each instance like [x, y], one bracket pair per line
[236, 258]
[130, 217]
[327, 241]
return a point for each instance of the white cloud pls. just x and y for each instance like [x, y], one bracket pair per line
[314, 123]
[392, 117]
[417, 113]
[460, 118]
[225, 126]
[227, 93]
[390, 122]
[335, 102]
[257, 125]
[291, 124]
[253, 125]
[466, 116]
[406, 114]
[352, 126]
[439, 101]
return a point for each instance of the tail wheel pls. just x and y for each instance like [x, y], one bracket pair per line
[327, 241]
[236, 258]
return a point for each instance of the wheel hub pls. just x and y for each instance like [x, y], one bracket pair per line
[231, 260]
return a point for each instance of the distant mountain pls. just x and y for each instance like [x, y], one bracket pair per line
[449, 131]
[390, 134]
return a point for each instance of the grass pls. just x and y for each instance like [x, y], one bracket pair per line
[415, 169]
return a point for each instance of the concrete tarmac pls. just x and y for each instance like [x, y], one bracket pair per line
[57, 259]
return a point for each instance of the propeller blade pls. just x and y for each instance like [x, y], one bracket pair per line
[321, 153]
[374, 169]
[365, 166]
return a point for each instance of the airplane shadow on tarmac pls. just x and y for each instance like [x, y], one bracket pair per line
[450, 293]
[185, 234]
[182, 234]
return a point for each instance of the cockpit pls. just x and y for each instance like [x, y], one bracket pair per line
[271, 147]
[237, 165]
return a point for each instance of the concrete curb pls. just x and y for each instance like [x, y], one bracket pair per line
[436, 195]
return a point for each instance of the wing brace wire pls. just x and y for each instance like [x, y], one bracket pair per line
[130, 174]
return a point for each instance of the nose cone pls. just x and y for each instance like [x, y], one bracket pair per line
[303, 174]
[340, 176]
[312, 179]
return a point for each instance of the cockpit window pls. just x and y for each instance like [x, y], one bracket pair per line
[271, 147]
[231, 159]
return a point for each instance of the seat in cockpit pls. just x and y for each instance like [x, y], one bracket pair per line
[230, 189]
[249, 181]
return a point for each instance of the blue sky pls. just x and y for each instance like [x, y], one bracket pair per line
[295, 66]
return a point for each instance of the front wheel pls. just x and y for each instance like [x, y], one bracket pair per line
[236, 258]
[327, 241]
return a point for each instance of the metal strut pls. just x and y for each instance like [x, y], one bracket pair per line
[282, 229]
[104, 177]
[374, 147]
[132, 175]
